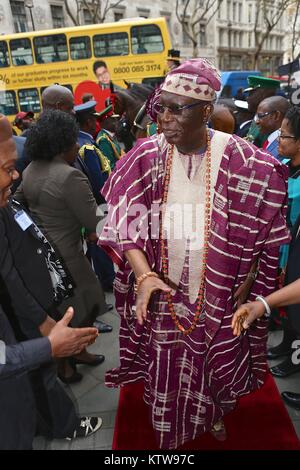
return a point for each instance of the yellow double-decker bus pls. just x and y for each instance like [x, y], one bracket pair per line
[133, 50]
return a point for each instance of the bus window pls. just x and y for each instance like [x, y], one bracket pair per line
[111, 44]
[29, 100]
[8, 103]
[50, 48]
[4, 57]
[21, 52]
[80, 48]
[146, 39]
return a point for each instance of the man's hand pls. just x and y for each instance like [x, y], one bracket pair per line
[146, 288]
[66, 341]
[246, 315]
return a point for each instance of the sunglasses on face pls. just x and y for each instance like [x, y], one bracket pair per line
[286, 137]
[263, 115]
[175, 110]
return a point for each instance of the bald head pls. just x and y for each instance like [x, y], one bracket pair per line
[222, 119]
[270, 113]
[58, 97]
[276, 103]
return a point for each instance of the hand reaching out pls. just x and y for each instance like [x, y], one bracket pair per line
[246, 315]
[67, 341]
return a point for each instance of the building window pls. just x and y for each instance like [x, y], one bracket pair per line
[19, 16]
[234, 7]
[87, 17]
[118, 15]
[229, 10]
[234, 42]
[57, 14]
[221, 37]
[240, 12]
[202, 35]
[143, 12]
[250, 13]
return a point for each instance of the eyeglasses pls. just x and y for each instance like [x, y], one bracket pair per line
[262, 115]
[175, 110]
[282, 136]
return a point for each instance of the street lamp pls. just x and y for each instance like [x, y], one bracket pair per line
[229, 25]
[29, 4]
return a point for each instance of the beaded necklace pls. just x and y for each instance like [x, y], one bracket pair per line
[200, 298]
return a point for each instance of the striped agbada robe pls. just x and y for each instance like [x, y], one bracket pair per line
[192, 381]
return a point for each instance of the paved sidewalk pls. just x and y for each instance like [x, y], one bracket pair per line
[94, 399]
[288, 384]
[91, 395]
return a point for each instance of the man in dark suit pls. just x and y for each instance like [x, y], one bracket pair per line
[29, 293]
[18, 416]
[269, 117]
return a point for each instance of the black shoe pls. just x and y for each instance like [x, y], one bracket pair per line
[279, 351]
[97, 360]
[285, 369]
[86, 427]
[102, 327]
[292, 399]
[72, 379]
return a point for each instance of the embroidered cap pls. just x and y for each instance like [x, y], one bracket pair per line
[196, 78]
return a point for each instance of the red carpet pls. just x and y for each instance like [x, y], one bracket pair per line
[260, 422]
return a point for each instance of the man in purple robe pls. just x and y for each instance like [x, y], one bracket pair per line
[195, 221]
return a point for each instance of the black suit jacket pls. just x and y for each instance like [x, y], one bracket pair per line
[25, 275]
[17, 417]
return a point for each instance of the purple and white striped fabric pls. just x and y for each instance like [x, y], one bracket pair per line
[192, 381]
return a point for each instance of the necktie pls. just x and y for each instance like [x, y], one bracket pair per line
[265, 144]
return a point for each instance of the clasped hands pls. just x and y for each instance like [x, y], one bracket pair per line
[242, 319]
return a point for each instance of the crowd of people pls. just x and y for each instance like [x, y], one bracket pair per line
[198, 222]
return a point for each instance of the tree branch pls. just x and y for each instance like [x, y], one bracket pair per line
[70, 13]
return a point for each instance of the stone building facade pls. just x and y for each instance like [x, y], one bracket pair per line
[228, 39]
